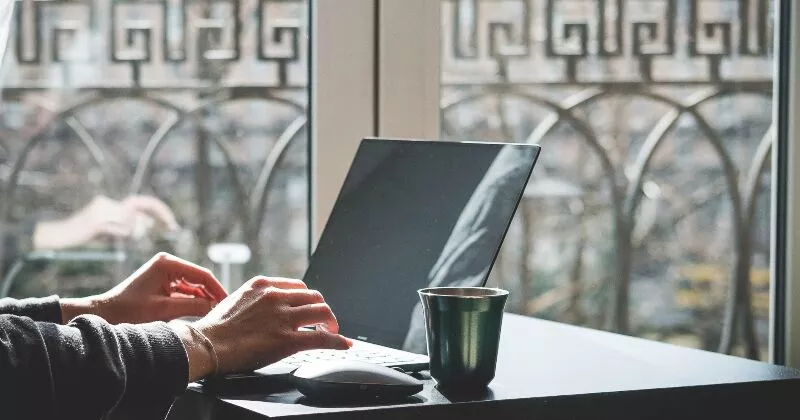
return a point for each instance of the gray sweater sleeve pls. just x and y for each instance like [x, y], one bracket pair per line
[87, 369]
[38, 309]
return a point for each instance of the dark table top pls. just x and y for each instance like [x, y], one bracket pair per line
[550, 370]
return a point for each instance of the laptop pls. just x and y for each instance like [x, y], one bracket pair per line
[410, 214]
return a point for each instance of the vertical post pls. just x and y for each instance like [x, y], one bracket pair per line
[408, 68]
[202, 177]
[342, 96]
[785, 264]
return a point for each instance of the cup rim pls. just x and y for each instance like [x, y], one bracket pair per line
[431, 291]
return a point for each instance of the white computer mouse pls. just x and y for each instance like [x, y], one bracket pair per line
[344, 380]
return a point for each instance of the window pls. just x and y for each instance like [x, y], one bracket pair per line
[649, 211]
[199, 103]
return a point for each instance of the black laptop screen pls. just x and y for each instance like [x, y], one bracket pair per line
[414, 214]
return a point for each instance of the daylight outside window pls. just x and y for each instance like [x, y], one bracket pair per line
[108, 106]
[649, 211]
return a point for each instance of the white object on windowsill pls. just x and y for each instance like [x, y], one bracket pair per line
[226, 255]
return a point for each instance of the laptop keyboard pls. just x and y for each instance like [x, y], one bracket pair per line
[376, 355]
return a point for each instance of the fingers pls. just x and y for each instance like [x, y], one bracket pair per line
[300, 297]
[306, 307]
[261, 282]
[154, 208]
[192, 273]
[310, 340]
[314, 314]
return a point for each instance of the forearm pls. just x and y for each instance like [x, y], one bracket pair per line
[55, 234]
[38, 309]
[88, 368]
[49, 309]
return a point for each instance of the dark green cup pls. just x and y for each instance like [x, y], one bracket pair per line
[462, 326]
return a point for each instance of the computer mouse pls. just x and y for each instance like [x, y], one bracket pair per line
[343, 380]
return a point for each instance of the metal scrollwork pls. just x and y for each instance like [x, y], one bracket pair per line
[174, 63]
[693, 69]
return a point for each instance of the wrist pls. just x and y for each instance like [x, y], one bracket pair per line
[72, 307]
[202, 362]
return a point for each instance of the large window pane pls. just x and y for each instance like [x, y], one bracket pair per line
[648, 213]
[199, 103]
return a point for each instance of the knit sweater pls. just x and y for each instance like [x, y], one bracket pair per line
[87, 369]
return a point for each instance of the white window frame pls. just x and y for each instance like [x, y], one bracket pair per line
[375, 72]
[408, 68]
[342, 91]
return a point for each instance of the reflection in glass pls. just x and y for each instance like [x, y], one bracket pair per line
[656, 116]
[201, 105]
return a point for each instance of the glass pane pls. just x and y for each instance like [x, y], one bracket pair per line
[200, 104]
[648, 213]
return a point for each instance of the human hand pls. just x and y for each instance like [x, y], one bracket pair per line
[103, 218]
[259, 324]
[148, 294]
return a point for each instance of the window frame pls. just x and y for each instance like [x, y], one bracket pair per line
[342, 71]
[785, 264]
[366, 54]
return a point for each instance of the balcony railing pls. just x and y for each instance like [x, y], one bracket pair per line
[200, 103]
[655, 121]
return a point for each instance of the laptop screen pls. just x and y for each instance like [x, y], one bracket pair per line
[414, 214]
